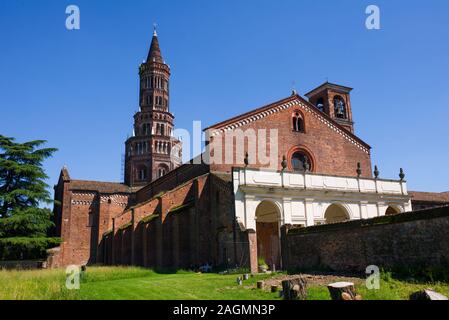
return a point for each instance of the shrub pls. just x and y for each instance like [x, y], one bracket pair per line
[21, 248]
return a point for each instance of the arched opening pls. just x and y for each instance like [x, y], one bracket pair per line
[298, 122]
[335, 214]
[392, 210]
[339, 108]
[320, 104]
[162, 170]
[141, 173]
[267, 229]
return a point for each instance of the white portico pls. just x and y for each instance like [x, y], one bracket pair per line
[308, 199]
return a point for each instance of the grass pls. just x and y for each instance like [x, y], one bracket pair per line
[130, 283]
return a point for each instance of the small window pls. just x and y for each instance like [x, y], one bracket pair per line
[298, 122]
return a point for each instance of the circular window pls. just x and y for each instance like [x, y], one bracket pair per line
[300, 161]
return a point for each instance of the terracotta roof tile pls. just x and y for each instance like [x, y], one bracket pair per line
[103, 187]
[430, 196]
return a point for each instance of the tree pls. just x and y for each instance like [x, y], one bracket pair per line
[23, 224]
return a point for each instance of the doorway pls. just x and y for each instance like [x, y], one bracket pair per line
[267, 230]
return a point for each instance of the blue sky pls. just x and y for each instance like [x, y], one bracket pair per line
[79, 89]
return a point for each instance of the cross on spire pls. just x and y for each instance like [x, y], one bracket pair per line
[155, 29]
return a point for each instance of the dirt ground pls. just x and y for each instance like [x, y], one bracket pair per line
[313, 279]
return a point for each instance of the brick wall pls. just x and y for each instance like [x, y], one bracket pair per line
[189, 226]
[406, 240]
[171, 180]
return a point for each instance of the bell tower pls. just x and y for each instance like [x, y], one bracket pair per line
[335, 101]
[152, 151]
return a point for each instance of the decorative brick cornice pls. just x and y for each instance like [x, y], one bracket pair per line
[117, 199]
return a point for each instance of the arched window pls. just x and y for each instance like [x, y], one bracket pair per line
[142, 173]
[146, 129]
[298, 122]
[300, 162]
[162, 170]
[339, 107]
[320, 104]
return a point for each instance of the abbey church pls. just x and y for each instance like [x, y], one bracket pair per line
[170, 214]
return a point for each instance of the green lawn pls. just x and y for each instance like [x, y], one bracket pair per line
[136, 283]
[128, 283]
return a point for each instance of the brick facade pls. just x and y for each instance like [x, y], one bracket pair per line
[332, 149]
[84, 212]
[176, 229]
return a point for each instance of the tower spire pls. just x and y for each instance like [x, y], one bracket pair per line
[155, 55]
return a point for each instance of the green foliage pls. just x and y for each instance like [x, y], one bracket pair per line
[261, 262]
[22, 178]
[33, 222]
[180, 208]
[422, 273]
[23, 224]
[22, 248]
[149, 218]
[125, 226]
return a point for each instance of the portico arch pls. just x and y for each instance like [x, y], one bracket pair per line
[336, 213]
[392, 209]
[268, 218]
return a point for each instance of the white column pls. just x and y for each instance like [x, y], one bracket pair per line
[363, 209]
[308, 204]
[250, 212]
[287, 211]
[381, 208]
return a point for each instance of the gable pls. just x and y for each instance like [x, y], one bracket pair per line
[288, 104]
[332, 149]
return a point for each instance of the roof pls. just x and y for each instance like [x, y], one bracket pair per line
[102, 187]
[225, 176]
[155, 55]
[65, 174]
[328, 85]
[430, 196]
[279, 103]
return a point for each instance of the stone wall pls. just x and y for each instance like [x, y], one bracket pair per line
[408, 240]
